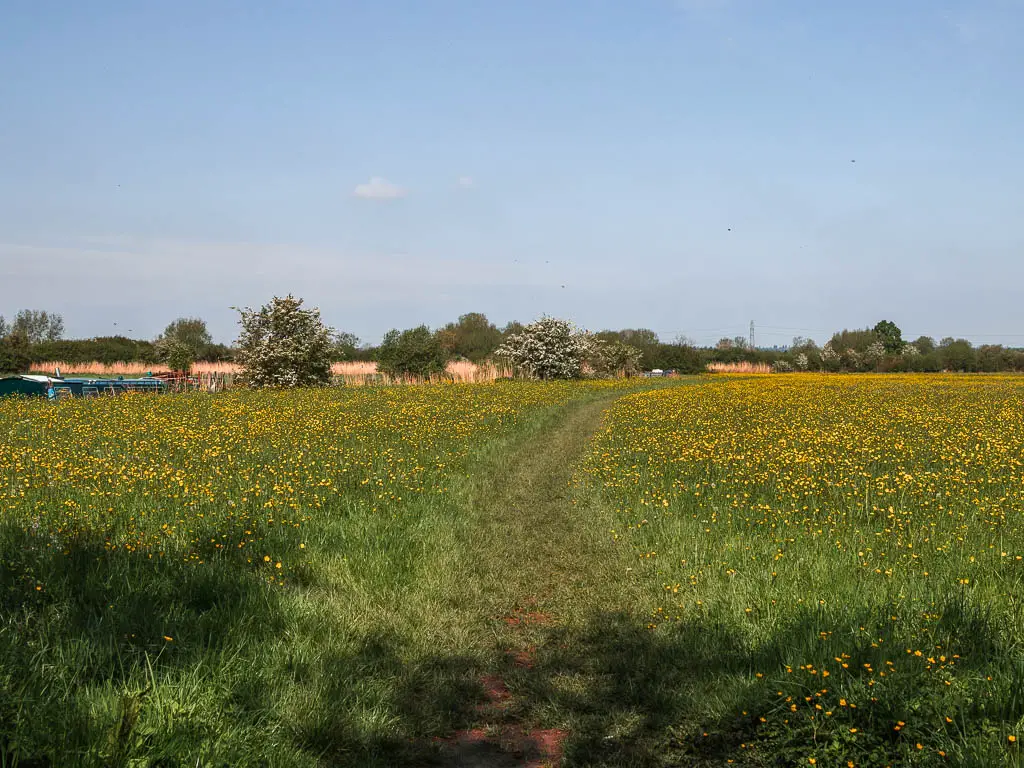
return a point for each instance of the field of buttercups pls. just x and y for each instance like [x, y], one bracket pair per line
[846, 550]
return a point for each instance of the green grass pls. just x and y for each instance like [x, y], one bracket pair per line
[433, 540]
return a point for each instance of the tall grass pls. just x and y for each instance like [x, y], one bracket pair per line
[354, 373]
[740, 367]
[96, 368]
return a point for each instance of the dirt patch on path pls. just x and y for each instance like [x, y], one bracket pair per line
[506, 747]
[533, 617]
[503, 742]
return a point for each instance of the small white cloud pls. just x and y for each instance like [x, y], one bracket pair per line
[465, 182]
[378, 188]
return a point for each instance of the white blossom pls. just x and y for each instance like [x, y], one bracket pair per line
[874, 352]
[283, 345]
[547, 349]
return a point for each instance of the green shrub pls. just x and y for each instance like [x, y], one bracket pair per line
[14, 357]
[414, 352]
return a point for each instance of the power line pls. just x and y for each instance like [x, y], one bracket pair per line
[785, 328]
[700, 330]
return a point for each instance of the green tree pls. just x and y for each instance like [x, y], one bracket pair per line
[681, 358]
[106, 349]
[613, 358]
[473, 337]
[216, 353]
[993, 358]
[733, 350]
[177, 356]
[14, 352]
[636, 337]
[925, 344]
[284, 345]
[890, 335]
[806, 354]
[190, 331]
[183, 342]
[1016, 358]
[414, 352]
[39, 325]
[344, 346]
[643, 339]
[857, 340]
[957, 355]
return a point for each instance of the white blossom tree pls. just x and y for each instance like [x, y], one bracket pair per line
[284, 345]
[547, 349]
[874, 353]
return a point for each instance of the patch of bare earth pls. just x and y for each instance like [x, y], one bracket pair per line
[506, 746]
[503, 742]
[528, 616]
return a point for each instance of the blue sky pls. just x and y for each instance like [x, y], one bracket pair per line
[682, 165]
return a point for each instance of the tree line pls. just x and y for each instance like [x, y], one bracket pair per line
[36, 336]
[882, 349]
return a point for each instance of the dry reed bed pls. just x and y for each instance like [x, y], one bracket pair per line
[354, 373]
[742, 367]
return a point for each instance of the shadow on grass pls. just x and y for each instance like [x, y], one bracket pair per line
[85, 632]
[629, 696]
[619, 689]
[413, 701]
[626, 695]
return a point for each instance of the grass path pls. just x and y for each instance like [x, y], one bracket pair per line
[519, 639]
[554, 598]
[534, 546]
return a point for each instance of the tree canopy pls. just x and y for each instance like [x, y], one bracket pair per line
[890, 335]
[38, 325]
[414, 352]
[473, 337]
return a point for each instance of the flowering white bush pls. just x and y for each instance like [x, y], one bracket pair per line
[283, 345]
[801, 361]
[909, 350]
[782, 366]
[852, 359]
[547, 349]
[874, 352]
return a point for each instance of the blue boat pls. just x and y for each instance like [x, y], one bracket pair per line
[119, 386]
